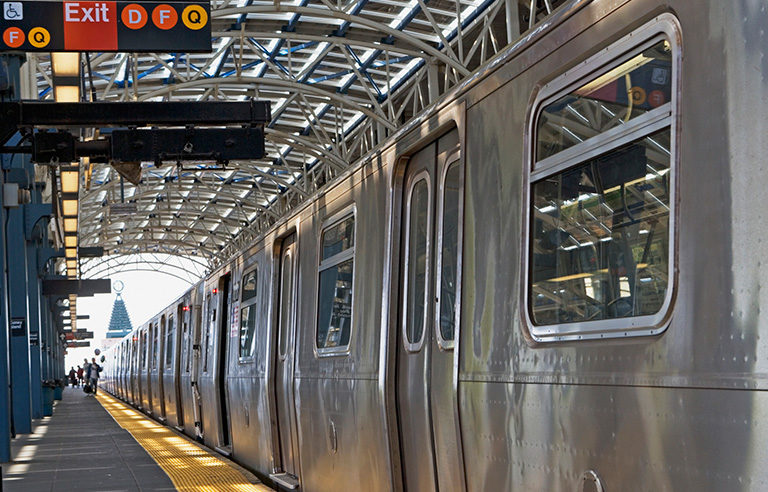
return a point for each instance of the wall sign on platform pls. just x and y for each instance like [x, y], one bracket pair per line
[18, 327]
[168, 26]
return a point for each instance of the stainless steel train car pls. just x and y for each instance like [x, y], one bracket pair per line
[552, 280]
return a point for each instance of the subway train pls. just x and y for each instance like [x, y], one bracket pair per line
[551, 280]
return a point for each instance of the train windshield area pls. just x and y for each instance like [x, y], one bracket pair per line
[635, 87]
[600, 236]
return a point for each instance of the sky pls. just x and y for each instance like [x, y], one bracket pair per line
[145, 294]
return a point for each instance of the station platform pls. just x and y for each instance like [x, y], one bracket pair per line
[101, 444]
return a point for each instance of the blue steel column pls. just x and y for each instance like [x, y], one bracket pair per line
[36, 391]
[18, 293]
[36, 238]
[18, 169]
[9, 81]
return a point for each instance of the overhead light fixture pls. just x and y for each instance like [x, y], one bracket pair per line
[70, 225]
[72, 273]
[70, 241]
[66, 93]
[70, 253]
[70, 179]
[69, 208]
[71, 264]
[66, 64]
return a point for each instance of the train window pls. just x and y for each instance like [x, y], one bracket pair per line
[248, 310]
[170, 333]
[448, 261]
[155, 344]
[601, 210]
[417, 261]
[144, 349]
[286, 302]
[632, 89]
[185, 341]
[335, 276]
[208, 327]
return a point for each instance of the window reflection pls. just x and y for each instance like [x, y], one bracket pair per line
[631, 89]
[334, 310]
[248, 309]
[600, 236]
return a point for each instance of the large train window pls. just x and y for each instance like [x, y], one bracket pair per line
[335, 278]
[600, 260]
[248, 311]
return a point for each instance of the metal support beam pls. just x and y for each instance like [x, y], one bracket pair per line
[513, 20]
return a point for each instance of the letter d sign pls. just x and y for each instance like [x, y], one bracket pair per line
[134, 16]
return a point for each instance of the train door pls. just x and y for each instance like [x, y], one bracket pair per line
[284, 364]
[428, 302]
[221, 369]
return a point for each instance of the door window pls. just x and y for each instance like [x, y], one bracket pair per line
[334, 304]
[448, 259]
[417, 261]
[286, 301]
[248, 309]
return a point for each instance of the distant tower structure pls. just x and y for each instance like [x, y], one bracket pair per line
[120, 323]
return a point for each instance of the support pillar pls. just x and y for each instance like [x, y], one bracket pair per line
[18, 292]
[36, 237]
[9, 70]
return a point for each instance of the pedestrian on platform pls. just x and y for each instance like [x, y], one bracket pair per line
[87, 376]
[72, 377]
[80, 374]
[93, 376]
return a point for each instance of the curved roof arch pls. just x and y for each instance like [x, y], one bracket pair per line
[340, 75]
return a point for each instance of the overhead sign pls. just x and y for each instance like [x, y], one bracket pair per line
[169, 26]
[78, 344]
[79, 335]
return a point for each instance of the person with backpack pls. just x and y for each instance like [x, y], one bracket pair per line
[93, 375]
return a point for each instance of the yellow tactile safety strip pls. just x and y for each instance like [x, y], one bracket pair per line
[190, 467]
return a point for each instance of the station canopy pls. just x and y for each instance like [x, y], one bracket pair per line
[341, 77]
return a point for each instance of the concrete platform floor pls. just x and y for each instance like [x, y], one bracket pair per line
[80, 448]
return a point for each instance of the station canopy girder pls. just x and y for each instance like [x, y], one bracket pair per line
[341, 77]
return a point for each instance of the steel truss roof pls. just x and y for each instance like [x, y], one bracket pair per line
[341, 77]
